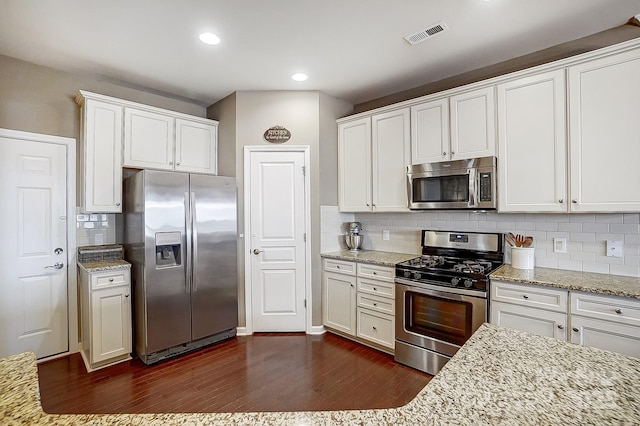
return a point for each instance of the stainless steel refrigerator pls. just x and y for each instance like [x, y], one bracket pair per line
[181, 240]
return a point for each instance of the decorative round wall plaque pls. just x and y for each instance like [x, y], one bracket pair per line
[277, 134]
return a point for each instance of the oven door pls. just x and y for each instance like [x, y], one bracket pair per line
[436, 320]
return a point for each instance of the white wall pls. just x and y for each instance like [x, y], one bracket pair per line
[585, 233]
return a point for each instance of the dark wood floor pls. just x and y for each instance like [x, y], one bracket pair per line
[263, 372]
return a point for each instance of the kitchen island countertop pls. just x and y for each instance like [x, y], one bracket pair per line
[614, 285]
[382, 258]
[500, 376]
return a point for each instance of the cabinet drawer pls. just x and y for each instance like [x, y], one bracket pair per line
[532, 320]
[376, 327]
[611, 308]
[376, 303]
[340, 266]
[376, 272]
[552, 299]
[376, 287]
[110, 279]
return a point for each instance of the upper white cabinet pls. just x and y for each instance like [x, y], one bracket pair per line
[532, 160]
[473, 125]
[455, 128]
[196, 147]
[373, 153]
[100, 155]
[148, 139]
[604, 109]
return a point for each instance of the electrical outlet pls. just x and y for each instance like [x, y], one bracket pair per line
[559, 245]
[614, 248]
[385, 235]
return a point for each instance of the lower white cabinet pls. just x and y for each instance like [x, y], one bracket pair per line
[606, 322]
[105, 317]
[358, 301]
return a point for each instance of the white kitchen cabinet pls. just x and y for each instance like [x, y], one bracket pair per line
[100, 178]
[148, 139]
[473, 127]
[604, 100]
[373, 153]
[606, 322]
[430, 131]
[196, 149]
[105, 317]
[532, 159]
[339, 296]
[354, 165]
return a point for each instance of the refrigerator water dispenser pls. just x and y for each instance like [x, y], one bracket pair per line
[167, 249]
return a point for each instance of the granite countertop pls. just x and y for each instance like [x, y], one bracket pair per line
[500, 376]
[104, 265]
[614, 285]
[382, 258]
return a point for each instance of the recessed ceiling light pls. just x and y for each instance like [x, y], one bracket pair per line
[299, 77]
[209, 38]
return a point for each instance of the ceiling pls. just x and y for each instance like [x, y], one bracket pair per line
[350, 49]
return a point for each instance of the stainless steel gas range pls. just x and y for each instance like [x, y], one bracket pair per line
[441, 296]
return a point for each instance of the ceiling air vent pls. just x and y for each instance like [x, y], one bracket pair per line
[431, 31]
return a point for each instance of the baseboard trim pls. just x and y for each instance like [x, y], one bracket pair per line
[241, 331]
[317, 330]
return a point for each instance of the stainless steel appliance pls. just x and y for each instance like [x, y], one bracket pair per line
[441, 296]
[461, 184]
[181, 239]
[353, 237]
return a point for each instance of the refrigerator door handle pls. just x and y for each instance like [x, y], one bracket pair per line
[187, 220]
[194, 222]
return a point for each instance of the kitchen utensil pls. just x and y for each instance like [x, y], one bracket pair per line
[511, 239]
[528, 241]
[520, 240]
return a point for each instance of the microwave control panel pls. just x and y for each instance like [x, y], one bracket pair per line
[485, 186]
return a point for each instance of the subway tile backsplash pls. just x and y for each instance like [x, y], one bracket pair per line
[95, 229]
[586, 234]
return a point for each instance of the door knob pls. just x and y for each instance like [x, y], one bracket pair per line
[57, 265]
[257, 251]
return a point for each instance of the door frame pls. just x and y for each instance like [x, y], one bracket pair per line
[72, 293]
[248, 281]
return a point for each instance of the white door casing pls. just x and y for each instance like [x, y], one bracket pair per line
[38, 302]
[277, 254]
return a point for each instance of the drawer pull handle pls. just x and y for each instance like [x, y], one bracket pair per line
[618, 311]
[375, 304]
[375, 273]
[575, 329]
[561, 327]
[110, 280]
[374, 327]
[525, 296]
[375, 289]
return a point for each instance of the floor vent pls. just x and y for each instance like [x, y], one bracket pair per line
[431, 31]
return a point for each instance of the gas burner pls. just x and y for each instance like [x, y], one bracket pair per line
[427, 261]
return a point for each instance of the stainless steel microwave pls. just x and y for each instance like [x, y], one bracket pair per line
[461, 184]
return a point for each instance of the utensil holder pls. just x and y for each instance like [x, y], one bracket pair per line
[522, 257]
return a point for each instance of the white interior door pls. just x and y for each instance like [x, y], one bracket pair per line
[33, 291]
[277, 242]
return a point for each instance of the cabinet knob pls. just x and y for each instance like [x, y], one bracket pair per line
[177, 163]
[444, 153]
[561, 327]
[367, 204]
[375, 304]
[574, 201]
[126, 295]
[453, 153]
[575, 329]
[374, 327]
[375, 289]
[351, 285]
[110, 280]
[525, 296]
[618, 311]
[375, 273]
[337, 266]
[117, 204]
[561, 200]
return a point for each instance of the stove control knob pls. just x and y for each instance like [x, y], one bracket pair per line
[407, 274]
[416, 275]
[455, 281]
[468, 283]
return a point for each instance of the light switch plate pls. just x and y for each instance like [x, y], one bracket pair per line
[559, 245]
[385, 235]
[614, 248]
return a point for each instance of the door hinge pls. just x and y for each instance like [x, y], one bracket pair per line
[304, 170]
[304, 237]
[305, 303]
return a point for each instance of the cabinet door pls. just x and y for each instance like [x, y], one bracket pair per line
[620, 338]
[430, 132]
[102, 157]
[376, 327]
[390, 148]
[531, 320]
[604, 100]
[339, 302]
[354, 165]
[196, 147]
[148, 140]
[473, 127]
[110, 323]
[532, 163]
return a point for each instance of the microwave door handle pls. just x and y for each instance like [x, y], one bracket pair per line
[473, 187]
